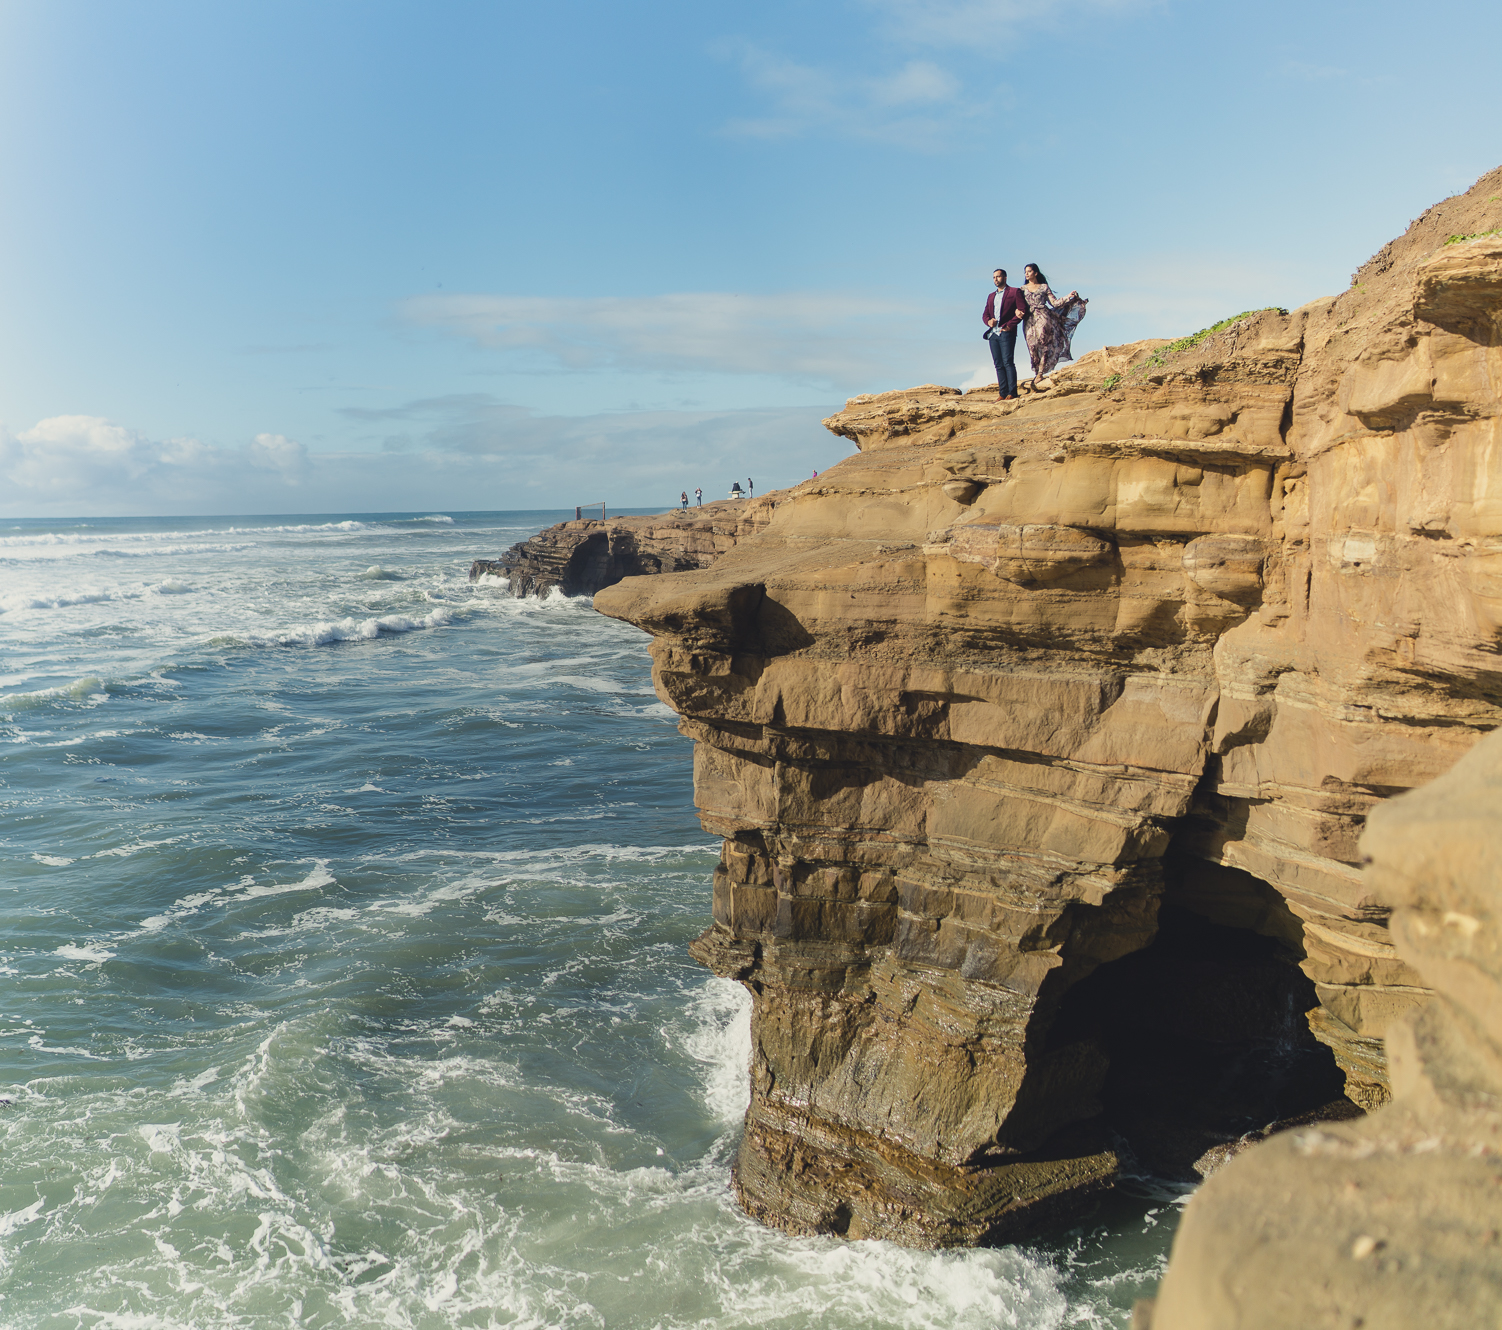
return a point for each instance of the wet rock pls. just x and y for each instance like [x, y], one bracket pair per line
[582, 557]
[1217, 1156]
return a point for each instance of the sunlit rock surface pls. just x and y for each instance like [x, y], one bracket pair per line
[987, 703]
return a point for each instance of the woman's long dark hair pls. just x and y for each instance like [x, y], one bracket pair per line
[1042, 280]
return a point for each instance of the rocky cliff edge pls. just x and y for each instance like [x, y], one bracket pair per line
[1036, 726]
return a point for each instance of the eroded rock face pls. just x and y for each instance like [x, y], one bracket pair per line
[582, 557]
[1394, 1221]
[982, 698]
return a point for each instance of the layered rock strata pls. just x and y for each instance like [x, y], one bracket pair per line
[582, 557]
[1394, 1221]
[982, 700]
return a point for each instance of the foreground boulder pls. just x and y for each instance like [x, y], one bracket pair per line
[1394, 1221]
[1041, 736]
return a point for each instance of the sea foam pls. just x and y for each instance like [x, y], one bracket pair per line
[89, 688]
[430, 1053]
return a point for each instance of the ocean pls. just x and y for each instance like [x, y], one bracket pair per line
[343, 981]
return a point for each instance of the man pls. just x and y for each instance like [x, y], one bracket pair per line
[1005, 309]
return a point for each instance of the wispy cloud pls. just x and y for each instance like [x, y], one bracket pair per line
[834, 340]
[994, 24]
[640, 449]
[919, 105]
[468, 450]
[914, 106]
[475, 424]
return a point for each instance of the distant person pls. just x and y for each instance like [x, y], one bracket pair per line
[1050, 322]
[750, 488]
[735, 490]
[683, 497]
[699, 497]
[1005, 309]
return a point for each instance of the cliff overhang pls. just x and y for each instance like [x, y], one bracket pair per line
[1022, 691]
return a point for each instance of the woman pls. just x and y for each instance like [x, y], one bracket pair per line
[1050, 322]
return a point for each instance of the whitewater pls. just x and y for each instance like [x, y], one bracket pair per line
[344, 908]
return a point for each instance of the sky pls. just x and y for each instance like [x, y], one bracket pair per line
[312, 256]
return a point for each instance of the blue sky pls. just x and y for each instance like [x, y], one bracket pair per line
[327, 256]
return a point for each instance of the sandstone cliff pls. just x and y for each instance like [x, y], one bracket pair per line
[1037, 728]
[582, 557]
[1395, 1221]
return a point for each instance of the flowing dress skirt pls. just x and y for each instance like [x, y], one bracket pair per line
[1049, 330]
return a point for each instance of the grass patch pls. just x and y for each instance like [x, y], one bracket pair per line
[1479, 235]
[1166, 353]
[1110, 383]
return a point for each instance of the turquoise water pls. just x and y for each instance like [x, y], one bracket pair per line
[343, 912]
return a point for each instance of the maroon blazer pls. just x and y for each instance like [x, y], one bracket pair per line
[1013, 308]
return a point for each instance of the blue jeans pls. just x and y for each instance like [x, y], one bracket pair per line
[1003, 352]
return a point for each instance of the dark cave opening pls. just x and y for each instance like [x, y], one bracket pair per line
[1207, 1041]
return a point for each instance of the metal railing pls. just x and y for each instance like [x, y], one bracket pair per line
[579, 507]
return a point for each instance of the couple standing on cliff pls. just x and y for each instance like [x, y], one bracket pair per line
[1050, 324]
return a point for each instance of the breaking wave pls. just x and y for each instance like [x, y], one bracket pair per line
[45, 538]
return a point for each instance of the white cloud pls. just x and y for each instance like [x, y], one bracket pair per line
[276, 451]
[839, 341]
[80, 460]
[466, 451]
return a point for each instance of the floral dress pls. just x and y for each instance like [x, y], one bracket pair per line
[1049, 329]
